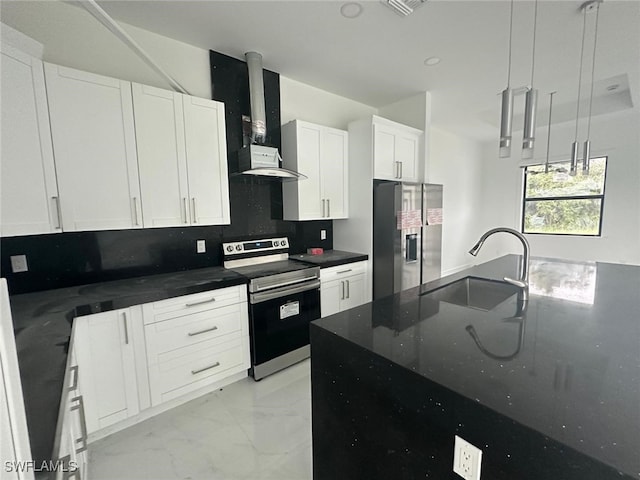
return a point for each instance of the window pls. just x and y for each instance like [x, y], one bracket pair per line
[560, 204]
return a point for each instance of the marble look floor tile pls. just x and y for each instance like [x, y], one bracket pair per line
[248, 430]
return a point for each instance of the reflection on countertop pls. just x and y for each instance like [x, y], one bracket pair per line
[574, 376]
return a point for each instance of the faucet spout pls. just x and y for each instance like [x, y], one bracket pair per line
[523, 281]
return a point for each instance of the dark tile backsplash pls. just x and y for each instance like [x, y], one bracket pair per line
[67, 259]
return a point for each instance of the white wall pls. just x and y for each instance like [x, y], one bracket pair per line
[456, 162]
[73, 38]
[304, 102]
[615, 135]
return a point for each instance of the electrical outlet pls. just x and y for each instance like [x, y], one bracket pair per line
[323, 234]
[19, 263]
[466, 459]
[201, 246]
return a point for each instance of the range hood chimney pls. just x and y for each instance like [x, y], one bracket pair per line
[257, 158]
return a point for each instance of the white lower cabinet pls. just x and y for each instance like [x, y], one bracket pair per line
[195, 341]
[342, 287]
[70, 450]
[107, 347]
[127, 365]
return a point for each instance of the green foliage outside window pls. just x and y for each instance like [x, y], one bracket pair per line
[558, 203]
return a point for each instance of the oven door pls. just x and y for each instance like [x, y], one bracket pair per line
[279, 320]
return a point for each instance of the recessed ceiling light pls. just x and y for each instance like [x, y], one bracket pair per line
[351, 10]
[431, 61]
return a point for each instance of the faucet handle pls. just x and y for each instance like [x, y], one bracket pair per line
[517, 283]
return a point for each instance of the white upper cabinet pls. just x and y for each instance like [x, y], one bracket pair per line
[161, 156]
[95, 152]
[320, 153]
[206, 147]
[28, 182]
[182, 156]
[396, 150]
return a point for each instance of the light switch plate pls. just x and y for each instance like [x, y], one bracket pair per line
[19, 263]
[201, 246]
[323, 234]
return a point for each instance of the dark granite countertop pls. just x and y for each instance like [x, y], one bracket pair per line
[330, 258]
[569, 368]
[42, 326]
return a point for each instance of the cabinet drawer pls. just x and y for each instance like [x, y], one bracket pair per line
[193, 328]
[187, 304]
[343, 271]
[189, 365]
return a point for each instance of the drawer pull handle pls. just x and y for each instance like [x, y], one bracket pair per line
[82, 441]
[195, 372]
[344, 271]
[201, 302]
[73, 371]
[193, 334]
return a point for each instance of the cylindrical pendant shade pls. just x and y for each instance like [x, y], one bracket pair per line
[505, 123]
[529, 133]
[587, 158]
[574, 158]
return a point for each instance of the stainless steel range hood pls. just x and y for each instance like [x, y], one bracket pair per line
[257, 158]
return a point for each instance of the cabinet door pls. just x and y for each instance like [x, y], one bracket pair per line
[206, 147]
[94, 145]
[406, 152]
[14, 436]
[385, 166]
[308, 154]
[159, 124]
[330, 297]
[354, 292]
[28, 182]
[106, 367]
[333, 164]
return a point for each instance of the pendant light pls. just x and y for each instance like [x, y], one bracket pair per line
[531, 100]
[587, 144]
[506, 117]
[546, 163]
[574, 146]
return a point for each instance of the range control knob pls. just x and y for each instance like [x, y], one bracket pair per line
[276, 243]
[238, 247]
[283, 243]
[229, 248]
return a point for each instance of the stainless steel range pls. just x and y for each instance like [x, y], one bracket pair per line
[284, 297]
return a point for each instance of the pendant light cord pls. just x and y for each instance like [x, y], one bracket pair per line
[510, 40]
[593, 69]
[584, 25]
[533, 53]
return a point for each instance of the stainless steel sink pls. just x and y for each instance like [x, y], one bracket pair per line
[474, 292]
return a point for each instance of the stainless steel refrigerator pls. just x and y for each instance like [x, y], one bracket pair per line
[407, 235]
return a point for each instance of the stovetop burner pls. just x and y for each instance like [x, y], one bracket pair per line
[266, 263]
[270, 268]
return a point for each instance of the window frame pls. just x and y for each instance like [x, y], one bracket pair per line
[600, 197]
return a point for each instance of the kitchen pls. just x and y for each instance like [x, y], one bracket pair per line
[476, 181]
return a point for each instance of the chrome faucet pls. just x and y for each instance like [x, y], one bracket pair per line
[523, 282]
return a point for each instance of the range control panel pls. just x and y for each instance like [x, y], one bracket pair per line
[255, 246]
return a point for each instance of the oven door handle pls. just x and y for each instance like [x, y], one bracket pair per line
[282, 292]
[284, 284]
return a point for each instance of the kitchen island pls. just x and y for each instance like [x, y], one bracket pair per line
[551, 392]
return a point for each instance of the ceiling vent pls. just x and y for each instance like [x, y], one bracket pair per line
[403, 7]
